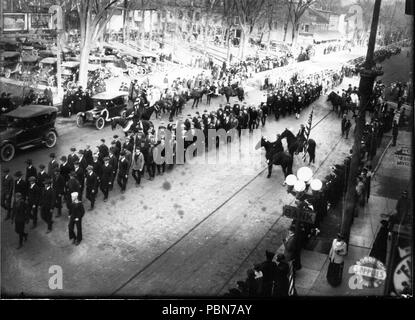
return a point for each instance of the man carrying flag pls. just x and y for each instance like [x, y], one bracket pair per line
[309, 144]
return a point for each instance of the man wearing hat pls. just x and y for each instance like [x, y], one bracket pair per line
[91, 183]
[33, 199]
[20, 218]
[113, 162]
[269, 271]
[52, 165]
[72, 185]
[106, 178]
[117, 142]
[281, 277]
[97, 167]
[30, 170]
[123, 168]
[41, 176]
[47, 204]
[58, 188]
[103, 150]
[65, 168]
[76, 213]
[82, 161]
[80, 176]
[7, 184]
[88, 155]
[20, 185]
[72, 157]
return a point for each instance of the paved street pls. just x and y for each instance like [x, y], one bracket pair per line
[193, 231]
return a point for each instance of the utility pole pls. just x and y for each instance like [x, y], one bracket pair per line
[367, 78]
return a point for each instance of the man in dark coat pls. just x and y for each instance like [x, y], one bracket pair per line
[106, 179]
[123, 168]
[113, 162]
[20, 185]
[58, 188]
[65, 168]
[20, 218]
[343, 124]
[269, 271]
[83, 163]
[33, 199]
[72, 185]
[281, 278]
[47, 204]
[72, 157]
[88, 155]
[41, 176]
[80, 176]
[30, 170]
[76, 213]
[91, 184]
[52, 165]
[97, 167]
[103, 150]
[7, 184]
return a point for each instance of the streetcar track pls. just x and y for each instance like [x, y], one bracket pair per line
[158, 257]
[271, 228]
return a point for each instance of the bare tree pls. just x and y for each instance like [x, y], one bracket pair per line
[93, 16]
[296, 9]
[248, 13]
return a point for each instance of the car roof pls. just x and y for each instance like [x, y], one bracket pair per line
[70, 64]
[109, 95]
[49, 60]
[31, 111]
[9, 54]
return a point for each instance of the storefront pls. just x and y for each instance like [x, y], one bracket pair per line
[18, 17]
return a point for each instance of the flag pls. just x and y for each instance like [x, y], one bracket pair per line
[307, 132]
[291, 279]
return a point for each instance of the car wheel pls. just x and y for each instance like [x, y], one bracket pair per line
[100, 123]
[51, 139]
[80, 120]
[7, 152]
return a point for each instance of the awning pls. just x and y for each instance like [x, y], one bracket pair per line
[322, 36]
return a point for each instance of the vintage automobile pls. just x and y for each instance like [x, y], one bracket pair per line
[10, 63]
[47, 71]
[26, 127]
[105, 107]
[70, 70]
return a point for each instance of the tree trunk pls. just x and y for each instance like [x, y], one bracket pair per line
[294, 34]
[244, 43]
[286, 27]
[84, 58]
[143, 30]
[59, 64]
[205, 33]
[228, 45]
[151, 30]
[124, 22]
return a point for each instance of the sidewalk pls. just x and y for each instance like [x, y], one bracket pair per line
[392, 176]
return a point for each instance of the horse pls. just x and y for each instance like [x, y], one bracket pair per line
[296, 144]
[164, 105]
[335, 100]
[197, 94]
[132, 124]
[275, 155]
[228, 91]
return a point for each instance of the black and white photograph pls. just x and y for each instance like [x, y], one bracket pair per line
[222, 149]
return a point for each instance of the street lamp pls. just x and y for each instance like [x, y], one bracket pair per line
[297, 184]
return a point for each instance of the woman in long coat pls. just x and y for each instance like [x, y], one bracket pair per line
[336, 258]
